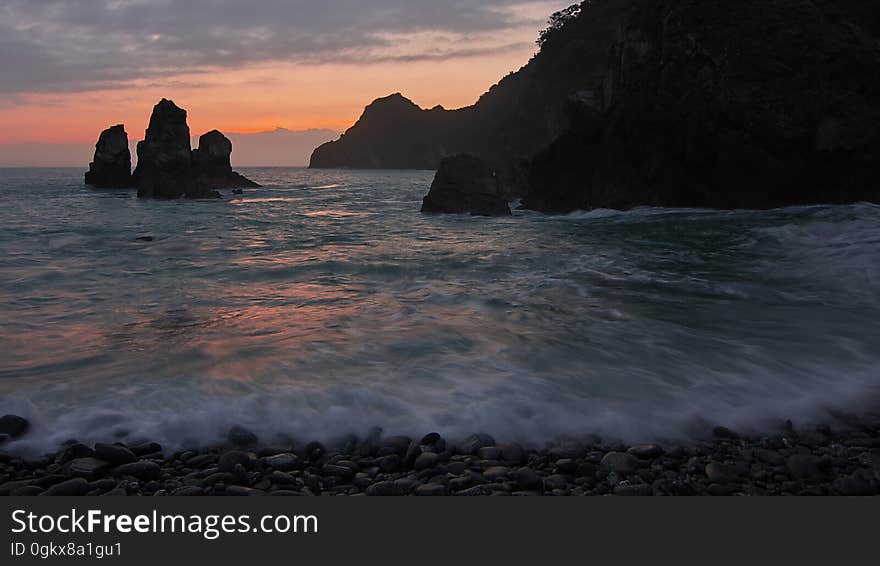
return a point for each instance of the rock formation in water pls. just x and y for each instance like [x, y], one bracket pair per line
[466, 184]
[164, 156]
[111, 166]
[168, 168]
[211, 164]
[752, 104]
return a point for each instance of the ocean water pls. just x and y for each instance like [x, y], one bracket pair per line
[324, 304]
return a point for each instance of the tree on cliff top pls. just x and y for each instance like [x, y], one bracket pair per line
[558, 21]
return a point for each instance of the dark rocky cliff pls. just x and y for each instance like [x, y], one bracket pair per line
[511, 122]
[756, 103]
[392, 133]
[750, 104]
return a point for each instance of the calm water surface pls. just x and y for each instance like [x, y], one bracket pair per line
[323, 304]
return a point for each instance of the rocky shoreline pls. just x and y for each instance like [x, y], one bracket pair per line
[842, 458]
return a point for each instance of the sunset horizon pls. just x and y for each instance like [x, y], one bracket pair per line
[281, 84]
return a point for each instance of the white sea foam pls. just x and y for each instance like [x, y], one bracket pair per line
[287, 319]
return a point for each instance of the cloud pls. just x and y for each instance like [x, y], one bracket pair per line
[85, 45]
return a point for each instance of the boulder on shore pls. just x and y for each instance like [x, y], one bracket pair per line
[111, 166]
[464, 184]
[211, 163]
[12, 427]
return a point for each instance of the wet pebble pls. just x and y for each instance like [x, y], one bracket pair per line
[143, 470]
[115, 454]
[620, 462]
[75, 486]
[233, 458]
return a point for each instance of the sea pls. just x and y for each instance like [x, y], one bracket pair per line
[323, 304]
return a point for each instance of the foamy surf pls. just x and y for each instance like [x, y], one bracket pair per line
[287, 320]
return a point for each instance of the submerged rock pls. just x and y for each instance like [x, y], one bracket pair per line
[211, 163]
[464, 184]
[111, 166]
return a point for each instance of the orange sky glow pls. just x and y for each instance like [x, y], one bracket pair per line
[292, 95]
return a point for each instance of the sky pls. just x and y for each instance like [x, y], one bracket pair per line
[71, 68]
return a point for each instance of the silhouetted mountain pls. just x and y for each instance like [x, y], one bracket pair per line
[393, 133]
[515, 119]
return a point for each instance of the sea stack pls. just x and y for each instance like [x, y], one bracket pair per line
[211, 163]
[169, 169]
[164, 164]
[464, 184]
[111, 166]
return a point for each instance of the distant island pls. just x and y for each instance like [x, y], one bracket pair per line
[752, 104]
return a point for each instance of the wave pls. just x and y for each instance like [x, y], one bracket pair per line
[325, 313]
